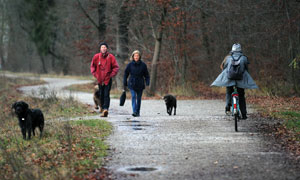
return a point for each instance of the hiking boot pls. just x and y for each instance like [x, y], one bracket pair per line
[104, 113]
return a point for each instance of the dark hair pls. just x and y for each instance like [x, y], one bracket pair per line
[103, 43]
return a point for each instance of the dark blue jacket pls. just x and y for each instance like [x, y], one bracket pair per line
[138, 75]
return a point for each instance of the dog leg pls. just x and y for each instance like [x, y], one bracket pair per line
[96, 104]
[24, 133]
[33, 129]
[41, 130]
[171, 111]
[174, 110]
[29, 133]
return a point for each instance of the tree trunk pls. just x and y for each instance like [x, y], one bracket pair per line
[153, 76]
[2, 32]
[290, 49]
[102, 17]
[101, 26]
[155, 59]
[122, 51]
[185, 57]
[65, 69]
[44, 69]
[177, 69]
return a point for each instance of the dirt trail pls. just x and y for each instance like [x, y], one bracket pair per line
[198, 143]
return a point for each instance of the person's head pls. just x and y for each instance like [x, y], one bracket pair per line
[103, 47]
[136, 55]
[236, 47]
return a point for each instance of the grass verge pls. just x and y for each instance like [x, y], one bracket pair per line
[287, 111]
[68, 149]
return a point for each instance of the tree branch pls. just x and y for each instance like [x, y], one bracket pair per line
[87, 15]
[55, 55]
[150, 20]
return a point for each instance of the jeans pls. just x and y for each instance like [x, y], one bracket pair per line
[242, 100]
[136, 99]
[104, 91]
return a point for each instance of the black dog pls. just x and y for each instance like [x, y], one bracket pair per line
[29, 119]
[171, 102]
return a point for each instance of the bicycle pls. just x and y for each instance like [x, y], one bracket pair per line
[235, 107]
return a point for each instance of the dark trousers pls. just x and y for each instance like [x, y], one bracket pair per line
[242, 100]
[104, 91]
[136, 99]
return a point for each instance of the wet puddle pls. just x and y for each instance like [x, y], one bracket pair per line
[137, 129]
[139, 169]
[142, 169]
[136, 125]
[132, 121]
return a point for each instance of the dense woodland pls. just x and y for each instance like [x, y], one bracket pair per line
[183, 41]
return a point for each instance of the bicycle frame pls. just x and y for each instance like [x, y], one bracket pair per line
[235, 107]
[235, 102]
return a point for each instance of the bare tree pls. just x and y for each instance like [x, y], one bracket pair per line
[125, 13]
[101, 25]
[3, 30]
[184, 41]
[157, 33]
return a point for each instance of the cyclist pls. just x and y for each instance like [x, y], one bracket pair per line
[245, 82]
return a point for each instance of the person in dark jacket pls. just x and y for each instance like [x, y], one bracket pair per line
[245, 83]
[138, 72]
[104, 67]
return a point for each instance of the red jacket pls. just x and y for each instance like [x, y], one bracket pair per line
[104, 67]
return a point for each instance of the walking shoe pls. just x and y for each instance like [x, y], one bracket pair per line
[244, 117]
[134, 114]
[104, 113]
[227, 110]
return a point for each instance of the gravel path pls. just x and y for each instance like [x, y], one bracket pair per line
[198, 143]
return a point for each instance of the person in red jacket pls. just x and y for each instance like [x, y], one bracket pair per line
[104, 67]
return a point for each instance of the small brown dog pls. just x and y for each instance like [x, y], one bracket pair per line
[97, 99]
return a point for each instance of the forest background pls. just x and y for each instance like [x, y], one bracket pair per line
[183, 41]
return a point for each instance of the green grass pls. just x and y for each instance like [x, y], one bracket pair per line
[100, 124]
[291, 114]
[67, 150]
[292, 120]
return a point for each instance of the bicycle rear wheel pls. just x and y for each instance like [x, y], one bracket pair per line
[236, 118]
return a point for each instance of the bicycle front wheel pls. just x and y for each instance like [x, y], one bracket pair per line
[236, 118]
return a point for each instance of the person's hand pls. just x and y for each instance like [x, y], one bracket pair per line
[147, 89]
[125, 88]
